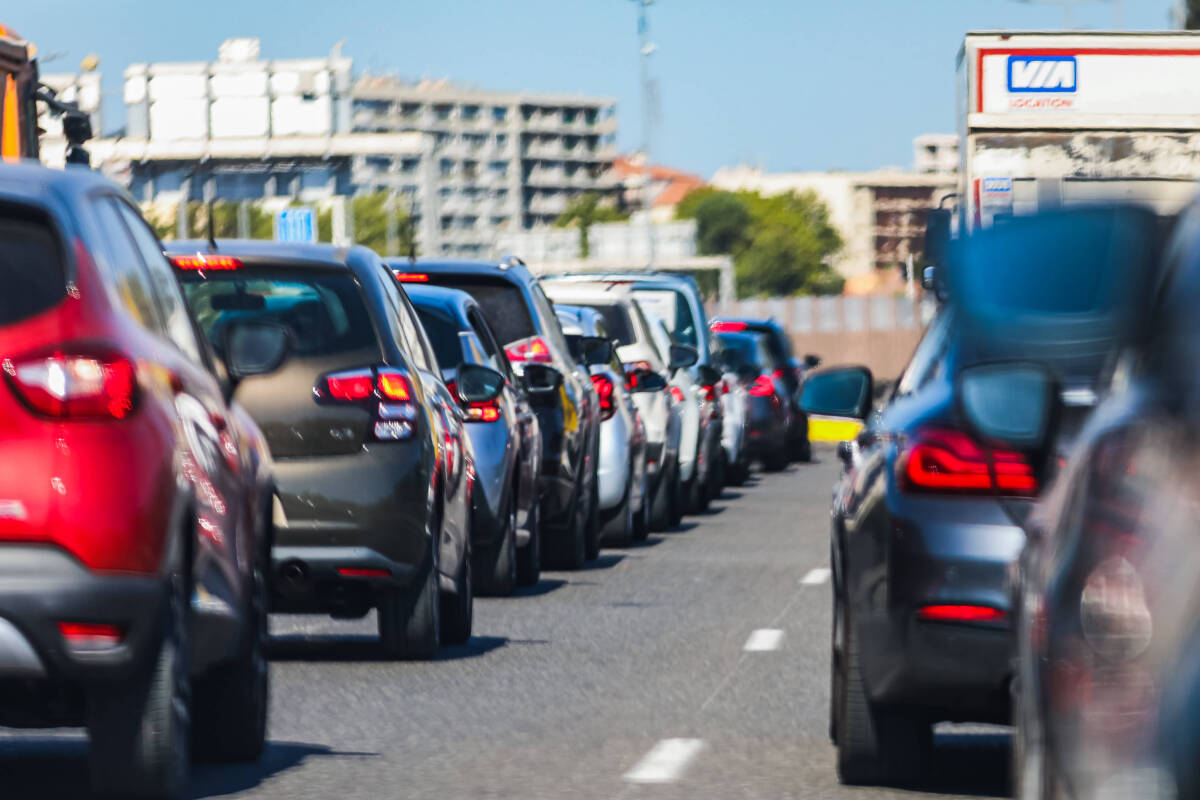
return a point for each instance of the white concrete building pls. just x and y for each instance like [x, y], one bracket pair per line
[936, 153]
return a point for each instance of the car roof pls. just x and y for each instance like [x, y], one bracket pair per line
[291, 253]
[451, 299]
[589, 290]
[513, 270]
[30, 178]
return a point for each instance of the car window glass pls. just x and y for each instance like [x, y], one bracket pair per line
[32, 266]
[490, 347]
[503, 304]
[412, 338]
[129, 276]
[165, 286]
[442, 331]
[925, 358]
[550, 323]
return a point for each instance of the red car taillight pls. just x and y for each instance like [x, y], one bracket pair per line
[534, 350]
[961, 613]
[487, 411]
[677, 393]
[393, 389]
[75, 386]
[762, 387]
[726, 326]
[604, 388]
[947, 460]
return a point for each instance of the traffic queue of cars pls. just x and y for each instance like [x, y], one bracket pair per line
[1014, 534]
[305, 429]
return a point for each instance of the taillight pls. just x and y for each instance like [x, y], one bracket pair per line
[962, 613]
[947, 460]
[207, 262]
[710, 393]
[534, 350]
[75, 386]
[604, 388]
[725, 387]
[727, 326]
[486, 411]
[677, 393]
[762, 387]
[411, 277]
[396, 409]
[89, 637]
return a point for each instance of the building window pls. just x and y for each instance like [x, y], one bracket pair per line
[589, 116]
[569, 115]
[470, 169]
[442, 111]
[409, 165]
[500, 113]
[499, 168]
[470, 113]
[446, 167]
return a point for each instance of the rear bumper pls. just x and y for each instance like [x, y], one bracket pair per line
[766, 427]
[43, 586]
[612, 473]
[320, 579]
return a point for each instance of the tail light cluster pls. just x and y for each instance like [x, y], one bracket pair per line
[762, 387]
[677, 393]
[948, 460]
[396, 409]
[486, 411]
[709, 392]
[534, 350]
[604, 388]
[68, 385]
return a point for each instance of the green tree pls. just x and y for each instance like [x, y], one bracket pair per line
[780, 244]
[584, 211]
[371, 221]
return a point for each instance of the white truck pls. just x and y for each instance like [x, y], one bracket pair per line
[1050, 119]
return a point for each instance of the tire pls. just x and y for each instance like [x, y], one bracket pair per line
[140, 728]
[660, 503]
[875, 745]
[592, 552]
[776, 460]
[618, 530]
[529, 557]
[570, 545]
[496, 575]
[737, 473]
[716, 475]
[458, 607]
[676, 496]
[802, 450]
[641, 518]
[409, 624]
[230, 702]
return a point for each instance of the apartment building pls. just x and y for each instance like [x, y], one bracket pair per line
[500, 161]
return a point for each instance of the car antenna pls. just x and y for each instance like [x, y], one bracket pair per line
[212, 236]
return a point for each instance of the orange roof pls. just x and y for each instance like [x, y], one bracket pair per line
[679, 183]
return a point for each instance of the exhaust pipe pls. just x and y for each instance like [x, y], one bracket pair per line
[294, 577]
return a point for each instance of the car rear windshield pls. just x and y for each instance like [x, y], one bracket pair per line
[442, 331]
[32, 275]
[672, 308]
[616, 322]
[741, 350]
[503, 304]
[324, 311]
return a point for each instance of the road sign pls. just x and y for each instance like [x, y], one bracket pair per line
[296, 225]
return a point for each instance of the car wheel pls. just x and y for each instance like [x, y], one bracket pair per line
[230, 702]
[802, 450]
[660, 503]
[641, 519]
[676, 498]
[529, 557]
[498, 568]
[716, 475]
[593, 521]
[458, 607]
[776, 460]
[409, 624]
[738, 472]
[570, 544]
[618, 529]
[875, 745]
[140, 728]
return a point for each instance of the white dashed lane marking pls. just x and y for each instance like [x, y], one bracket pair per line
[764, 639]
[815, 577]
[665, 762]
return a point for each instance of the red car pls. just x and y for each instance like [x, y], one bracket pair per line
[135, 501]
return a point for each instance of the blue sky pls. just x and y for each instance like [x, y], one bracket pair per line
[787, 84]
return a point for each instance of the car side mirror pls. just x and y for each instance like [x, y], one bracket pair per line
[837, 392]
[683, 356]
[542, 379]
[255, 348]
[477, 383]
[596, 350]
[1013, 404]
[811, 361]
[646, 380]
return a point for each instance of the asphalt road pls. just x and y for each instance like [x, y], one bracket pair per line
[631, 679]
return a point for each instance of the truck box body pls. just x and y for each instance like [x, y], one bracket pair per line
[1049, 119]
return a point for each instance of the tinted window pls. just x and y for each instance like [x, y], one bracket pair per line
[31, 267]
[129, 275]
[926, 357]
[740, 350]
[672, 307]
[616, 322]
[442, 331]
[502, 303]
[324, 311]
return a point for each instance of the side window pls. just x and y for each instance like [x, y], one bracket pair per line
[550, 321]
[494, 355]
[128, 273]
[166, 287]
[411, 326]
[926, 358]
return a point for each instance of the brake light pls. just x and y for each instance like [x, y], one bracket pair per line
[947, 460]
[90, 637]
[210, 261]
[710, 394]
[412, 277]
[396, 410]
[677, 393]
[961, 613]
[727, 326]
[778, 373]
[395, 386]
[350, 386]
[363, 572]
[724, 387]
[762, 387]
[487, 411]
[75, 386]
[534, 350]
[604, 388]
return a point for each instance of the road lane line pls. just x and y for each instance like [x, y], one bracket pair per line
[815, 577]
[665, 762]
[763, 640]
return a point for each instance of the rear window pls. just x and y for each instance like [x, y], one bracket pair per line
[32, 278]
[443, 332]
[672, 308]
[616, 322]
[503, 305]
[325, 311]
[741, 350]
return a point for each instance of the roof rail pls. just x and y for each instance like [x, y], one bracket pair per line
[510, 260]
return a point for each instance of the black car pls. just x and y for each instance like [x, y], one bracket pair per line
[566, 404]
[505, 438]
[921, 544]
[372, 506]
[786, 370]
[768, 407]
